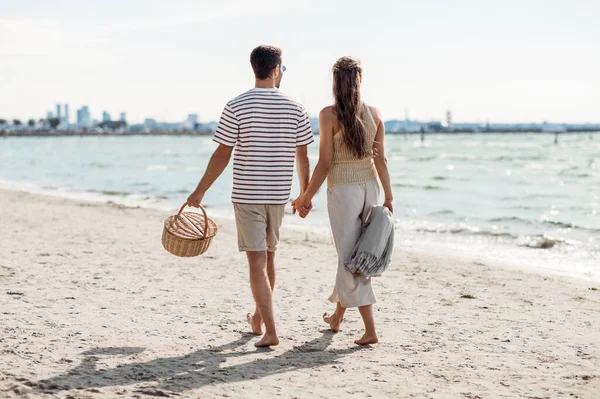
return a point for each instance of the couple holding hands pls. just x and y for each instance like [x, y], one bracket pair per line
[270, 132]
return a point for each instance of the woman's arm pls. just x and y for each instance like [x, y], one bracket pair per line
[303, 203]
[381, 160]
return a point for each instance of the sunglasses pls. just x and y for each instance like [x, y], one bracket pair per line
[283, 68]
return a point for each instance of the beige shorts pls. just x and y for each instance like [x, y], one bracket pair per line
[258, 226]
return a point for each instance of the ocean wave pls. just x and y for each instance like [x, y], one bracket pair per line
[427, 187]
[440, 178]
[493, 158]
[509, 219]
[512, 231]
[157, 167]
[528, 207]
[574, 171]
[112, 193]
[561, 225]
[539, 242]
[566, 225]
[503, 158]
[423, 158]
[126, 199]
[442, 212]
[98, 165]
[554, 223]
[551, 196]
[465, 230]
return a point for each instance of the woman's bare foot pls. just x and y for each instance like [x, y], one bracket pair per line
[333, 321]
[255, 325]
[367, 339]
[267, 340]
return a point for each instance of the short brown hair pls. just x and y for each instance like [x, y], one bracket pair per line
[264, 59]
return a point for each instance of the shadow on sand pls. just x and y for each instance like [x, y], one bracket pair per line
[193, 370]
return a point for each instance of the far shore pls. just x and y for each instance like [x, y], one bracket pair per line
[62, 133]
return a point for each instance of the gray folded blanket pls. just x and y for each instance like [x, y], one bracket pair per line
[372, 253]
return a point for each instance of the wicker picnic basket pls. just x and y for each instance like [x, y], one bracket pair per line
[188, 233]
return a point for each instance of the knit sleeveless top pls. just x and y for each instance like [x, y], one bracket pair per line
[347, 168]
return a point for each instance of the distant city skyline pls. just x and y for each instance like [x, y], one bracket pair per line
[512, 61]
[84, 119]
[60, 121]
[85, 116]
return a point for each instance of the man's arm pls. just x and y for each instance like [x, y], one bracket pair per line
[226, 135]
[303, 167]
[217, 164]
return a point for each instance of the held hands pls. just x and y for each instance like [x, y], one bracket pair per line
[195, 199]
[302, 205]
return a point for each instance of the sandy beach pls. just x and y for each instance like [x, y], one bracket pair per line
[93, 307]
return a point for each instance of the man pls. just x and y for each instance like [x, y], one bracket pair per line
[268, 130]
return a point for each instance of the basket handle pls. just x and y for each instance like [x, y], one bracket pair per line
[203, 212]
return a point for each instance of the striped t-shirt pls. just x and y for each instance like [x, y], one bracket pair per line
[265, 126]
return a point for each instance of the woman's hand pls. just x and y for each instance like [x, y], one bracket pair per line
[302, 205]
[389, 205]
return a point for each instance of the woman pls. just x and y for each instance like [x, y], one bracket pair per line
[352, 155]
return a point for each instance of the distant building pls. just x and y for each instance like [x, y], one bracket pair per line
[83, 117]
[123, 117]
[192, 118]
[58, 111]
[434, 126]
[149, 123]
[212, 126]
[138, 128]
[49, 115]
[105, 117]
[467, 127]
[65, 120]
[191, 122]
[396, 126]
[449, 119]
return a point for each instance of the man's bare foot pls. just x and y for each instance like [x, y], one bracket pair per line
[255, 325]
[367, 339]
[267, 340]
[333, 321]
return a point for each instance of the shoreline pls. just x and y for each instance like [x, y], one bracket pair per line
[475, 247]
[92, 304]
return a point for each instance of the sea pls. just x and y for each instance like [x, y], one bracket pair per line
[517, 199]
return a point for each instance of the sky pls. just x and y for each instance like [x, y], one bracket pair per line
[496, 61]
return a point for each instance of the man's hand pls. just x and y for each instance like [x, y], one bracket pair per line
[195, 199]
[302, 205]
